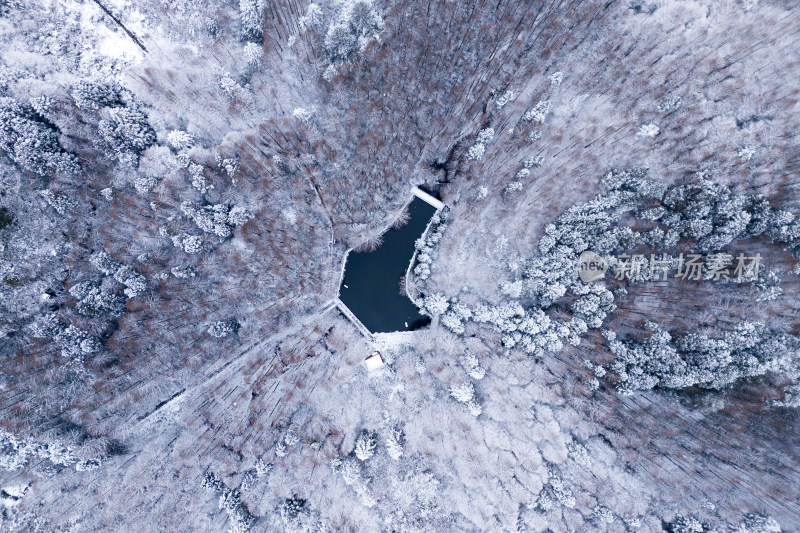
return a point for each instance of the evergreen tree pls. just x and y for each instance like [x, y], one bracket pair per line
[31, 140]
[127, 133]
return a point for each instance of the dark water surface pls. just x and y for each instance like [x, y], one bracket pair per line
[371, 284]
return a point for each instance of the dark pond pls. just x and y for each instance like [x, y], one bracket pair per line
[371, 284]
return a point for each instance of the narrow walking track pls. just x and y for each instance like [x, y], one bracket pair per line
[353, 318]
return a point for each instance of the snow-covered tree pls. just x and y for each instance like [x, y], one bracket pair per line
[143, 184]
[340, 43]
[251, 18]
[302, 114]
[365, 446]
[180, 140]
[758, 523]
[538, 112]
[558, 488]
[104, 263]
[463, 393]
[436, 304]
[513, 187]
[452, 322]
[291, 508]
[746, 152]
[18, 452]
[238, 215]
[93, 300]
[218, 219]
[485, 136]
[135, 283]
[474, 407]
[512, 289]
[476, 151]
[240, 519]
[93, 96]
[363, 21]
[604, 515]
[531, 162]
[647, 130]
[697, 360]
[262, 467]
[127, 133]
[330, 72]
[471, 364]
[280, 449]
[313, 17]
[394, 443]
[351, 471]
[684, 524]
[223, 328]
[230, 165]
[75, 342]
[44, 326]
[291, 438]
[670, 104]
[505, 98]
[62, 203]
[31, 140]
[252, 54]
[191, 244]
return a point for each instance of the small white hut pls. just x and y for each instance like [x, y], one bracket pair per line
[374, 361]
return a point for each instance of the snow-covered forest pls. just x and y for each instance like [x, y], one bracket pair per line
[180, 183]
